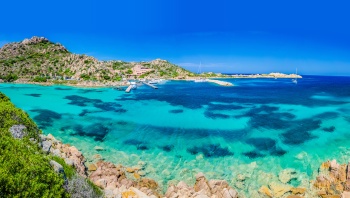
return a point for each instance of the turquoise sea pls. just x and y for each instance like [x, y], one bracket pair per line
[254, 129]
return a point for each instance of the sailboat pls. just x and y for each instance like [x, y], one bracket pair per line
[199, 71]
[295, 81]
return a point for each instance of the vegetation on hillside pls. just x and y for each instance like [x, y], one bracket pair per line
[25, 170]
[40, 57]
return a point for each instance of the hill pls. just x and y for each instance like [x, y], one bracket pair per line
[38, 59]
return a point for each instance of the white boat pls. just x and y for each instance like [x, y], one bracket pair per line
[200, 80]
[199, 72]
[156, 81]
[133, 85]
[295, 81]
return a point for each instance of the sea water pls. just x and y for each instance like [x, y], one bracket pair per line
[254, 129]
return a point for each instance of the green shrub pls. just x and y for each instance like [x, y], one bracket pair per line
[85, 76]
[68, 170]
[129, 71]
[117, 78]
[106, 77]
[23, 173]
[9, 77]
[10, 115]
[40, 79]
[24, 170]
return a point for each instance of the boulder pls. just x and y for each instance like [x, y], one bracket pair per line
[347, 184]
[345, 194]
[202, 184]
[56, 152]
[298, 190]
[46, 146]
[229, 193]
[68, 161]
[278, 190]
[92, 167]
[50, 137]
[102, 183]
[266, 191]
[130, 170]
[18, 131]
[137, 176]
[56, 166]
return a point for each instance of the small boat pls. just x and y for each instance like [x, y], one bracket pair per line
[295, 81]
[153, 81]
[200, 80]
[199, 72]
[133, 85]
[156, 81]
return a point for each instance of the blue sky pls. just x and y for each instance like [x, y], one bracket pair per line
[225, 36]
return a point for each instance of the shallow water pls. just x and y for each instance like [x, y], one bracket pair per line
[258, 126]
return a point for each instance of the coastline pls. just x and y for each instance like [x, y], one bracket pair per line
[116, 180]
[99, 84]
[268, 189]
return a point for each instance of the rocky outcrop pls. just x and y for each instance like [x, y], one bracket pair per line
[202, 188]
[34, 40]
[112, 179]
[71, 155]
[333, 179]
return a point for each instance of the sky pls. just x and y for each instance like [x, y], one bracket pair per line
[225, 36]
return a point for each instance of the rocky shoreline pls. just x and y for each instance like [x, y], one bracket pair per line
[333, 180]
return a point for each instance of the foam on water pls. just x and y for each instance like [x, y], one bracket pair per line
[256, 128]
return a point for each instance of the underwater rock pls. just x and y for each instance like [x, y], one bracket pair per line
[278, 190]
[202, 188]
[98, 148]
[286, 175]
[298, 190]
[266, 191]
[301, 155]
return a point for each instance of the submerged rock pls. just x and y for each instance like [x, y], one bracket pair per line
[266, 191]
[98, 148]
[278, 190]
[286, 175]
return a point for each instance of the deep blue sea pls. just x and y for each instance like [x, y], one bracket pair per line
[256, 128]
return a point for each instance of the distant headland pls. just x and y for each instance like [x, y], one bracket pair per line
[38, 60]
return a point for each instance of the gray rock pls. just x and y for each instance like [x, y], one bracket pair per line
[56, 152]
[17, 131]
[56, 166]
[42, 137]
[69, 161]
[46, 146]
